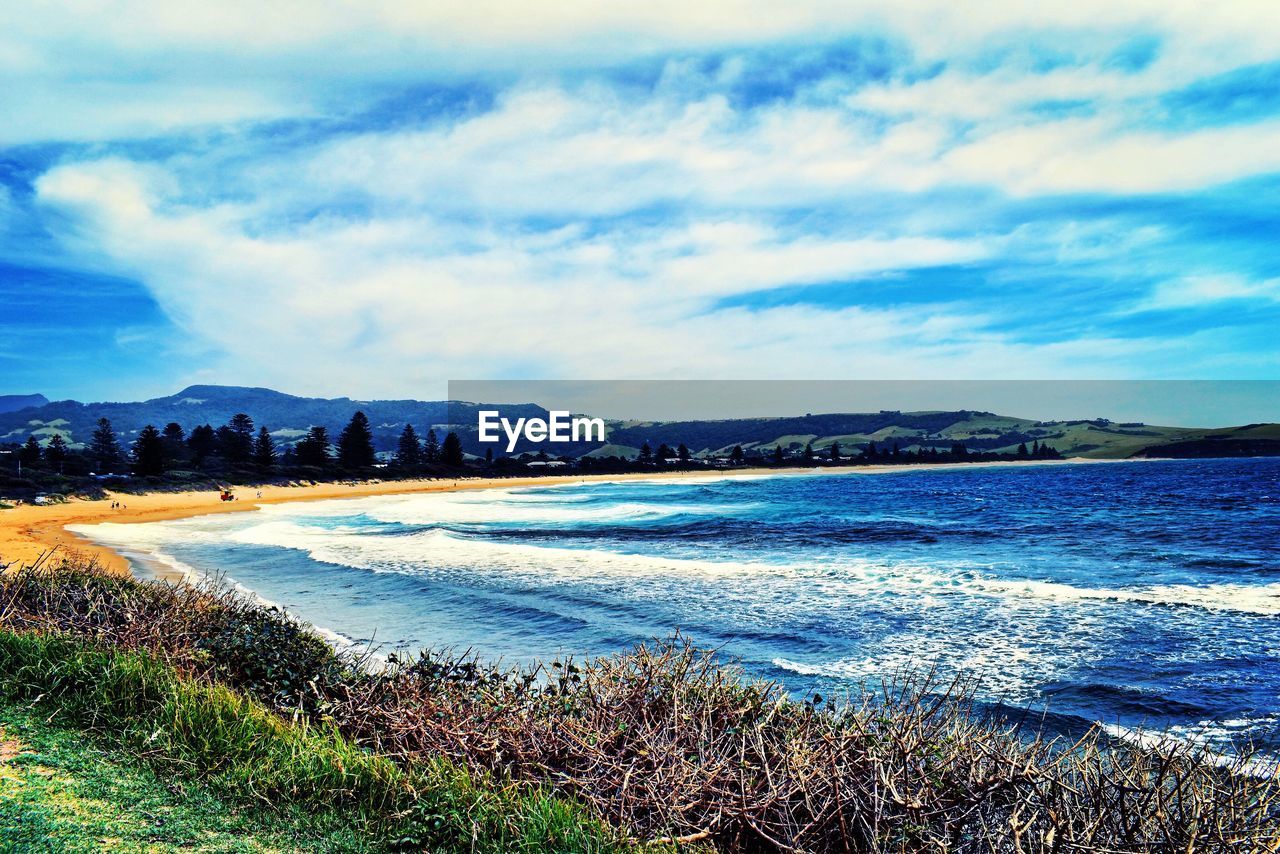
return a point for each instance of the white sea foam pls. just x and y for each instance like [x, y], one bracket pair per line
[1244, 598]
[1214, 740]
[431, 551]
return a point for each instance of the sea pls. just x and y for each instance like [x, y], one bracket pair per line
[1142, 596]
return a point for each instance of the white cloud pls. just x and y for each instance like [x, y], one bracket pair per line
[92, 71]
[1196, 291]
[1093, 156]
[585, 225]
[362, 306]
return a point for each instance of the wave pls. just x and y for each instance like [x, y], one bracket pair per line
[1262, 599]
[436, 549]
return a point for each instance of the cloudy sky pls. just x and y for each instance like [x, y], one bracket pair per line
[370, 199]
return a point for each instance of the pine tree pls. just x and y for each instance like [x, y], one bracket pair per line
[431, 448]
[736, 456]
[355, 443]
[30, 453]
[488, 456]
[264, 450]
[203, 443]
[1022, 450]
[777, 455]
[451, 451]
[55, 453]
[148, 452]
[808, 451]
[409, 450]
[683, 452]
[175, 443]
[664, 452]
[646, 453]
[104, 448]
[835, 450]
[313, 449]
[237, 439]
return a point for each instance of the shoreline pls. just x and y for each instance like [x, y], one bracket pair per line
[29, 531]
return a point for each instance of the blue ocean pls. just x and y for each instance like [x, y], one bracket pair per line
[1137, 594]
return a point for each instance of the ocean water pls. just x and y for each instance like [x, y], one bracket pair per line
[1132, 594]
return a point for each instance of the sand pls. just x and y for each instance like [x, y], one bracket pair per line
[29, 531]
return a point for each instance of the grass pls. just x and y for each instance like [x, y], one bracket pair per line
[57, 785]
[299, 774]
[661, 741]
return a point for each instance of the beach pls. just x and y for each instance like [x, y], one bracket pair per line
[29, 531]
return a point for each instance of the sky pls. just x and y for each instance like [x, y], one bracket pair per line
[372, 199]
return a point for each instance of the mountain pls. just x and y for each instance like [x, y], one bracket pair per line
[14, 402]
[289, 417]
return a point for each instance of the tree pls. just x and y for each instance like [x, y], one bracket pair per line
[409, 450]
[264, 450]
[175, 442]
[55, 453]
[1022, 450]
[104, 448]
[236, 439]
[835, 450]
[431, 448]
[683, 452]
[488, 456]
[665, 452]
[148, 452]
[30, 453]
[808, 451]
[451, 451]
[355, 443]
[736, 456]
[203, 443]
[871, 453]
[777, 455]
[313, 449]
[646, 453]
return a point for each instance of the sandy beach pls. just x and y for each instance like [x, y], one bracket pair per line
[29, 531]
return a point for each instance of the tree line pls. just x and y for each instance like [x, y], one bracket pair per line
[237, 448]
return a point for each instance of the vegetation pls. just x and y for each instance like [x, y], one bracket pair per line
[311, 776]
[661, 741]
[85, 795]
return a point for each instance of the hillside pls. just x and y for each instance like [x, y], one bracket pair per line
[289, 416]
[14, 402]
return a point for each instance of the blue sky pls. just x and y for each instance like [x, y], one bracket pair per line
[372, 199]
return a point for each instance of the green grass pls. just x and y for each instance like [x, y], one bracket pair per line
[297, 775]
[62, 791]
